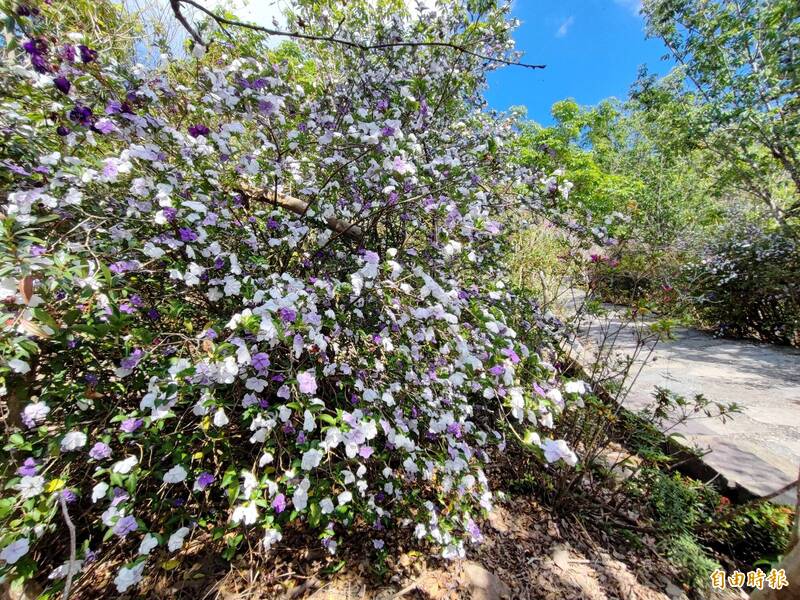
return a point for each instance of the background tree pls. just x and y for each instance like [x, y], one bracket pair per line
[738, 80]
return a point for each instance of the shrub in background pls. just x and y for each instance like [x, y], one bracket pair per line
[747, 283]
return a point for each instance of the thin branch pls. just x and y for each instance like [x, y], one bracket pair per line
[329, 38]
[176, 10]
[72, 544]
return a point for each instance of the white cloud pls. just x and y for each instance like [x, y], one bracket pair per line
[635, 6]
[564, 28]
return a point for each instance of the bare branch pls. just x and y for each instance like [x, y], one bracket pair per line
[72, 545]
[176, 10]
[335, 40]
[300, 207]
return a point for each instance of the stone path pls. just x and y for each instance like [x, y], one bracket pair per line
[760, 447]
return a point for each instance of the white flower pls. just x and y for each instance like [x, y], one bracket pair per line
[198, 50]
[72, 441]
[558, 449]
[19, 366]
[311, 459]
[30, 486]
[270, 537]
[127, 577]
[15, 550]
[148, 543]
[61, 571]
[555, 396]
[245, 513]
[99, 491]
[175, 541]
[326, 505]
[300, 496]
[344, 497]
[124, 466]
[175, 475]
[36, 412]
[308, 421]
[255, 384]
[220, 418]
[575, 387]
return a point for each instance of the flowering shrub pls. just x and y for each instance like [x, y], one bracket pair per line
[748, 282]
[236, 296]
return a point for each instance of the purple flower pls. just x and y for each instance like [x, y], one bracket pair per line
[104, 126]
[131, 425]
[474, 531]
[62, 84]
[261, 361]
[113, 107]
[131, 361]
[287, 315]
[69, 496]
[28, 468]
[125, 525]
[37, 250]
[62, 131]
[170, 213]
[120, 267]
[120, 496]
[497, 370]
[81, 114]
[68, 52]
[39, 63]
[198, 130]
[203, 481]
[126, 308]
[23, 10]
[100, 451]
[266, 107]
[87, 54]
[187, 235]
[279, 504]
[454, 429]
[35, 46]
[508, 352]
[153, 314]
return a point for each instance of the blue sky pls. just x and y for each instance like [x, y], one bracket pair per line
[592, 49]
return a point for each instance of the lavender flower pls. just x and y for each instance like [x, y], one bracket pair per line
[131, 425]
[100, 451]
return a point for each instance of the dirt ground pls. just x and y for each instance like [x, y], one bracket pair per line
[527, 553]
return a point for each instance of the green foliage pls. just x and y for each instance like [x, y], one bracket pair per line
[735, 91]
[762, 532]
[692, 560]
[543, 261]
[616, 164]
